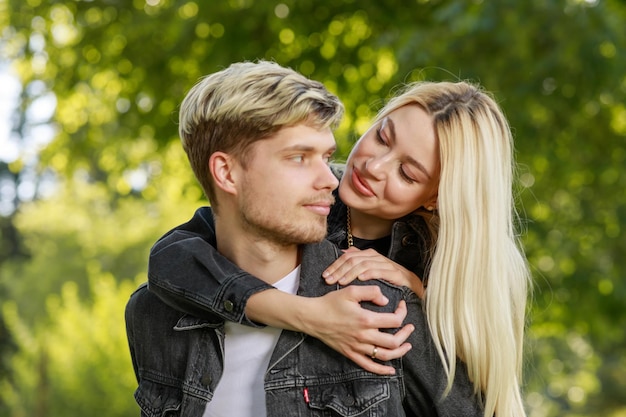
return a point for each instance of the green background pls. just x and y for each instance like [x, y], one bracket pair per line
[81, 211]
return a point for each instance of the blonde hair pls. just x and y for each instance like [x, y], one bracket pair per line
[249, 101]
[478, 277]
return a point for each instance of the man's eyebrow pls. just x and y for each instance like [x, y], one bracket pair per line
[308, 148]
[392, 129]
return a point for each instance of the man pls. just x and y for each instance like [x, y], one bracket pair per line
[259, 138]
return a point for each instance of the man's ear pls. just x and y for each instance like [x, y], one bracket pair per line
[222, 167]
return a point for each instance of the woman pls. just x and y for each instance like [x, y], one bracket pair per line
[430, 186]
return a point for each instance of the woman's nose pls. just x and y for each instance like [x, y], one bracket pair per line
[377, 166]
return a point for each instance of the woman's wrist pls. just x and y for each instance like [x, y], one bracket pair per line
[282, 310]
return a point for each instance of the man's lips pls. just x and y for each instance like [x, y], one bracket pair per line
[360, 185]
[321, 207]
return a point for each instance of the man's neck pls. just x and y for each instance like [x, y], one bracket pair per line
[259, 257]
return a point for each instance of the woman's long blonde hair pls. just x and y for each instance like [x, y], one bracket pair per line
[478, 277]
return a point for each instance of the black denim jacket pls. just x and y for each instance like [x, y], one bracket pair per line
[178, 357]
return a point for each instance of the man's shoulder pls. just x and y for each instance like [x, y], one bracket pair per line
[316, 257]
[145, 310]
[201, 225]
[320, 252]
[141, 299]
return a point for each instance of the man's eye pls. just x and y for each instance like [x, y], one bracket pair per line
[297, 158]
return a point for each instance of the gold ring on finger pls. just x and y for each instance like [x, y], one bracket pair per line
[374, 352]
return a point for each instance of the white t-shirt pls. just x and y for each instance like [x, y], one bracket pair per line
[247, 353]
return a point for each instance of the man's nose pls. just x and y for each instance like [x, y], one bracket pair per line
[326, 178]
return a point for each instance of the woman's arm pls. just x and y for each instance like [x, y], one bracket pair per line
[187, 272]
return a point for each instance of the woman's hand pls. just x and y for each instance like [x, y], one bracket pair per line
[369, 264]
[338, 320]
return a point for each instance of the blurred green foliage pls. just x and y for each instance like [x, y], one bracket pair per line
[114, 178]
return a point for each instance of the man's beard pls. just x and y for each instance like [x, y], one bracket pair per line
[279, 228]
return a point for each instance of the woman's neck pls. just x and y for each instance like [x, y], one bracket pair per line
[366, 226]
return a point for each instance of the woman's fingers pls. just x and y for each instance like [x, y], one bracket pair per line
[351, 263]
[369, 264]
[354, 331]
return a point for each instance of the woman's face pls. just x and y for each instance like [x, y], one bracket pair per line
[394, 167]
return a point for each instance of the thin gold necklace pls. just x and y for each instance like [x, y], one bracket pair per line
[349, 224]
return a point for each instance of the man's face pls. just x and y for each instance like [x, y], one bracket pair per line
[286, 189]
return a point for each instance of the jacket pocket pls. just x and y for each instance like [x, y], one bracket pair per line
[158, 400]
[361, 397]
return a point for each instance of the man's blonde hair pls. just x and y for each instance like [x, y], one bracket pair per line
[231, 109]
[478, 277]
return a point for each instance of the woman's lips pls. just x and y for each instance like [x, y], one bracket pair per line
[360, 185]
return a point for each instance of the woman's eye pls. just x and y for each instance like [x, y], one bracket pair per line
[379, 137]
[406, 177]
